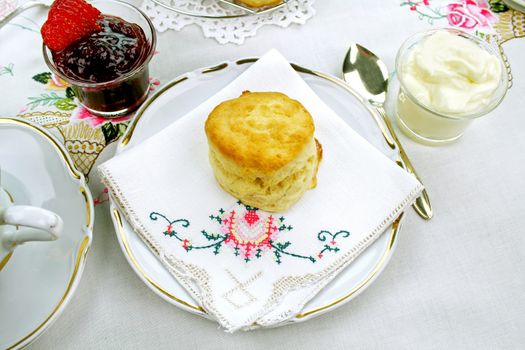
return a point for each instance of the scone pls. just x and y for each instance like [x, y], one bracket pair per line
[260, 3]
[262, 149]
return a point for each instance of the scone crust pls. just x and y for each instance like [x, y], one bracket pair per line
[260, 131]
[260, 3]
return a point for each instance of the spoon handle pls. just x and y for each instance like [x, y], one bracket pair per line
[381, 123]
[422, 204]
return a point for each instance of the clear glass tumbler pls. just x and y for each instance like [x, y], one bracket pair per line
[423, 123]
[124, 94]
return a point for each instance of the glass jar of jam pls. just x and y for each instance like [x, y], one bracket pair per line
[108, 70]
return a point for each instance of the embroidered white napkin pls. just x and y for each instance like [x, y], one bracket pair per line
[243, 265]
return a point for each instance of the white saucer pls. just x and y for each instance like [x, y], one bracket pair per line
[38, 281]
[185, 93]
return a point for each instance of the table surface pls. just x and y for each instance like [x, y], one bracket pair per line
[456, 281]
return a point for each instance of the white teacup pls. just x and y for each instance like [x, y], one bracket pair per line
[22, 223]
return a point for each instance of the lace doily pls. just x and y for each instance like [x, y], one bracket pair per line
[232, 30]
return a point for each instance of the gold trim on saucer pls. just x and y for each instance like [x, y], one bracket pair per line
[86, 240]
[124, 239]
[219, 67]
[11, 199]
[88, 207]
[81, 254]
[377, 268]
[215, 69]
[133, 123]
[5, 260]
[8, 256]
[53, 142]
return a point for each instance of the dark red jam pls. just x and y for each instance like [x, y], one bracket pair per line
[119, 48]
[106, 55]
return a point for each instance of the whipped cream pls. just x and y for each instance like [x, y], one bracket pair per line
[451, 74]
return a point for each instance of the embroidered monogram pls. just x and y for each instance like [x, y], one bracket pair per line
[239, 292]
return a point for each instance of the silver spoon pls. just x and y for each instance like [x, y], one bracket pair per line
[368, 75]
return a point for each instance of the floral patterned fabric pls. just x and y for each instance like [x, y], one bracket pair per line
[35, 94]
[479, 16]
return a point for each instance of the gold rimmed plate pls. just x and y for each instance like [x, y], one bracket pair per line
[255, 10]
[188, 91]
[231, 9]
[40, 279]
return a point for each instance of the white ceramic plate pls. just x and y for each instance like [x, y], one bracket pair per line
[184, 94]
[38, 281]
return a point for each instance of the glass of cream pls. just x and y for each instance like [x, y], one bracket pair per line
[447, 78]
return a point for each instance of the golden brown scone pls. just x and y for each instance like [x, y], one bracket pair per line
[262, 149]
[260, 3]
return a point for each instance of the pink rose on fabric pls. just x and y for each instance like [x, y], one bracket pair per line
[469, 14]
[81, 113]
[6, 7]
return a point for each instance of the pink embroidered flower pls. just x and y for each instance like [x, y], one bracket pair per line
[248, 233]
[153, 82]
[469, 14]
[102, 198]
[186, 244]
[6, 7]
[414, 5]
[81, 113]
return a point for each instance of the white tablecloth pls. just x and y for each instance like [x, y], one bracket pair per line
[456, 281]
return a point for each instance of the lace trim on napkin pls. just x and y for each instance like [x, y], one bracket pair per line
[188, 273]
[233, 30]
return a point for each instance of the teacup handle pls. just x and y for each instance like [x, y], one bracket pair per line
[39, 224]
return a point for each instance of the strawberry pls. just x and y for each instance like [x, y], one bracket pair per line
[67, 22]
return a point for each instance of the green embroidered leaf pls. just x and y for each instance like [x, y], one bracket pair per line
[42, 78]
[122, 127]
[277, 256]
[7, 69]
[211, 236]
[110, 132]
[498, 6]
[44, 100]
[65, 104]
[284, 227]
[216, 218]
[284, 245]
[69, 92]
